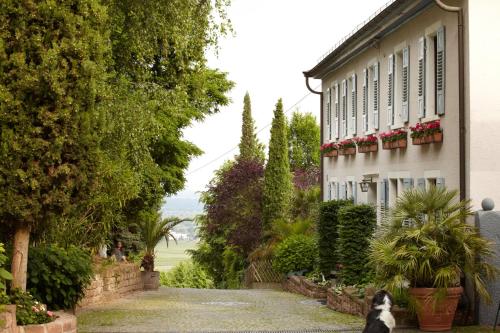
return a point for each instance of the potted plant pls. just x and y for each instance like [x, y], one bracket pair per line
[347, 147]
[425, 248]
[423, 133]
[367, 144]
[329, 149]
[153, 229]
[394, 139]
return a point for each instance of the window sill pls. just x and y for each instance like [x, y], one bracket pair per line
[429, 118]
[370, 132]
[397, 126]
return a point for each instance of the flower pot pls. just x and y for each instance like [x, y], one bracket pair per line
[386, 145]
[350, 151]
[150, 280]
[362, 149]
[402, 143]
[332, 153]
[417, 141]
[437, 137]
[435, 317]
[394, 144]
[428, 138]
[373, 148]
[341, 152]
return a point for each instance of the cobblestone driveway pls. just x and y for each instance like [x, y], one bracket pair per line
[195, 310]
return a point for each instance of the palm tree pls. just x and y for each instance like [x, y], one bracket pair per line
[152, 231]
[426, 242]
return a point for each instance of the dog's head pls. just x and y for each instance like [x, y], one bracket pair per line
[382, 300]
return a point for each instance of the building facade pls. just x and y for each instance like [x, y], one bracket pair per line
[414, 63]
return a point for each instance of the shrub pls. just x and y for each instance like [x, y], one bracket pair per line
[328, 234]
[296, 253]
[356, 226]
[234, 268]
[187, 275]
[57, 276]
[4, 274]
[28, 310]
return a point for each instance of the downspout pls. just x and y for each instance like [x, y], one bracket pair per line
[461, 91]
[321, 167]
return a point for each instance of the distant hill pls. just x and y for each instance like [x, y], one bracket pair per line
[185, 204]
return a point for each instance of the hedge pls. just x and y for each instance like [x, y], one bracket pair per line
[356, 226]
[296, 253]
[328, 234]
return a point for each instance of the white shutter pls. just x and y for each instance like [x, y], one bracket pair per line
[390, 90]
[328, 114]
[376, 94]
[407, 183]
[421, 183]
[421, 77]
[337, 109]
[354, 104]
[440, 70]
[344, 108]
[365, 100]
[440, 182]
[405, 84]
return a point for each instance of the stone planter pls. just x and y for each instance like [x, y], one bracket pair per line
[8, 319]
[333, 153]
[151, 280]
[368, 149]
[64, 323]
[301, 285]
[436, 318]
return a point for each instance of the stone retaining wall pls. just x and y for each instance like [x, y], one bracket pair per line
[301, 285]
[112, 282]
[64, 323]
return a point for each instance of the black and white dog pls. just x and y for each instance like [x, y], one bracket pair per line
[380, 318]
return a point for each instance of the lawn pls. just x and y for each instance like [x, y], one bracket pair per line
[168, 257]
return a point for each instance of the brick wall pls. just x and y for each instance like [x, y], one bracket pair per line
[113, 282]
[64, 323]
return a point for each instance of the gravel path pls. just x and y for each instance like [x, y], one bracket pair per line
[201, 310]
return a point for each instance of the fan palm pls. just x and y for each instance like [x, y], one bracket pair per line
[152, 231]
[425, 242]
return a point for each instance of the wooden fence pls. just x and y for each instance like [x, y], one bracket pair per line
[261, 272]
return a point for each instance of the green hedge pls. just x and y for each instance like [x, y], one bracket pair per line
[57, 277]
[187, 275]
[328, 234]
[356, 226]
[296, 253]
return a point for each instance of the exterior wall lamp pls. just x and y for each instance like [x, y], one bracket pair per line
[365, 184]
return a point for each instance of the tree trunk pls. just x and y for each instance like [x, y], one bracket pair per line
[20, 257]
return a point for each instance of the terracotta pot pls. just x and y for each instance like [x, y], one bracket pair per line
[435, 317]
[150, 280]
[438, 137]
[402, 143]
[362, 149]
[350, 151]
[428, 139]
[417, 141]
[373, 148]
[394, 144]
[341, 152]
[332, 153]
[386, 145]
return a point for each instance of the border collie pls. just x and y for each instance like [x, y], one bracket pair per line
[380, 318]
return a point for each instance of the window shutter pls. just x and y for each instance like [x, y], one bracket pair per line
[386, 184]
[383, 196]
[421, 183]
[337, 191]
[329, 191]
[406, 81]
[440, 182]
[337, 111]
[421, 77]
[365, 100]
[354, 105]
[376, 93]
[440, 70]
[344, 108]
[390, 90]
[355, 192]
[407, 183]
[328, 113]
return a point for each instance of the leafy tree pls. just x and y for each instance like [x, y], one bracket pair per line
[303, 141]
[53, 61]
[277, 179]
[250, 148]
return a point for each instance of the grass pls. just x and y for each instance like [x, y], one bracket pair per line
[168, 257]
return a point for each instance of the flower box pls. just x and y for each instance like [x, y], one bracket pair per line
[394, 139]
[329, 149]
[347, 147]
[367, 144]
[331, 153]
[348, 151]
[424, 133]
[368, 149]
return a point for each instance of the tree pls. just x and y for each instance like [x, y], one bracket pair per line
[303, 141]
[250, 148]
[53, 68]
[277, 178]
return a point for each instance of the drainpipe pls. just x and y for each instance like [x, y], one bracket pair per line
[461, 91]
[321, 166]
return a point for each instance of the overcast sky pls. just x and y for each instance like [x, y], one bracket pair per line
[275, 40]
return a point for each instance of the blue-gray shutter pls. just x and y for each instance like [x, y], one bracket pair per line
[354, 104]
[421, 183]
[421, 77]
[407, 183]
[329, 191]
[355, 192]
[405, 114]
[386, 183]
[376, 96]
[328, 113]
[390, 90]
[365, 100]
[337, 190]
[440, 182]
[383, 195]
[440, 70]
[343, 195]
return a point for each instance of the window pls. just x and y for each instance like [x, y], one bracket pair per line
[328, 113]
[398, 111]
[337, 111]
[354, 106]
[364, 106]
[431, 73]
[344, 108]
[373, 95]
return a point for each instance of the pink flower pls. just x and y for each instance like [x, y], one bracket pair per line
[50, 313]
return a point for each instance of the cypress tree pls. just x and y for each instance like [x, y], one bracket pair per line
[250, 148]
[277, 177]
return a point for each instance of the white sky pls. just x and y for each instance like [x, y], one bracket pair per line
[275, 40]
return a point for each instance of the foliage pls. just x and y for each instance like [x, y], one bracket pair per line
[356, 224]
[57, 277]
[304, 179]
[153, 229]
[349, 143]
[425, 242]
[303, 137]
[328, 234]
[395, 135]
[277, 179]
[328, 147]
[296, 253]
[424, 129]
[306, 203]
[28, 310]
[234, 268]
[250, 147]
[366, 140]
[187, 275]
[4, 274]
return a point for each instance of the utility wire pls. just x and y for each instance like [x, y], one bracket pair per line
[260, 130]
